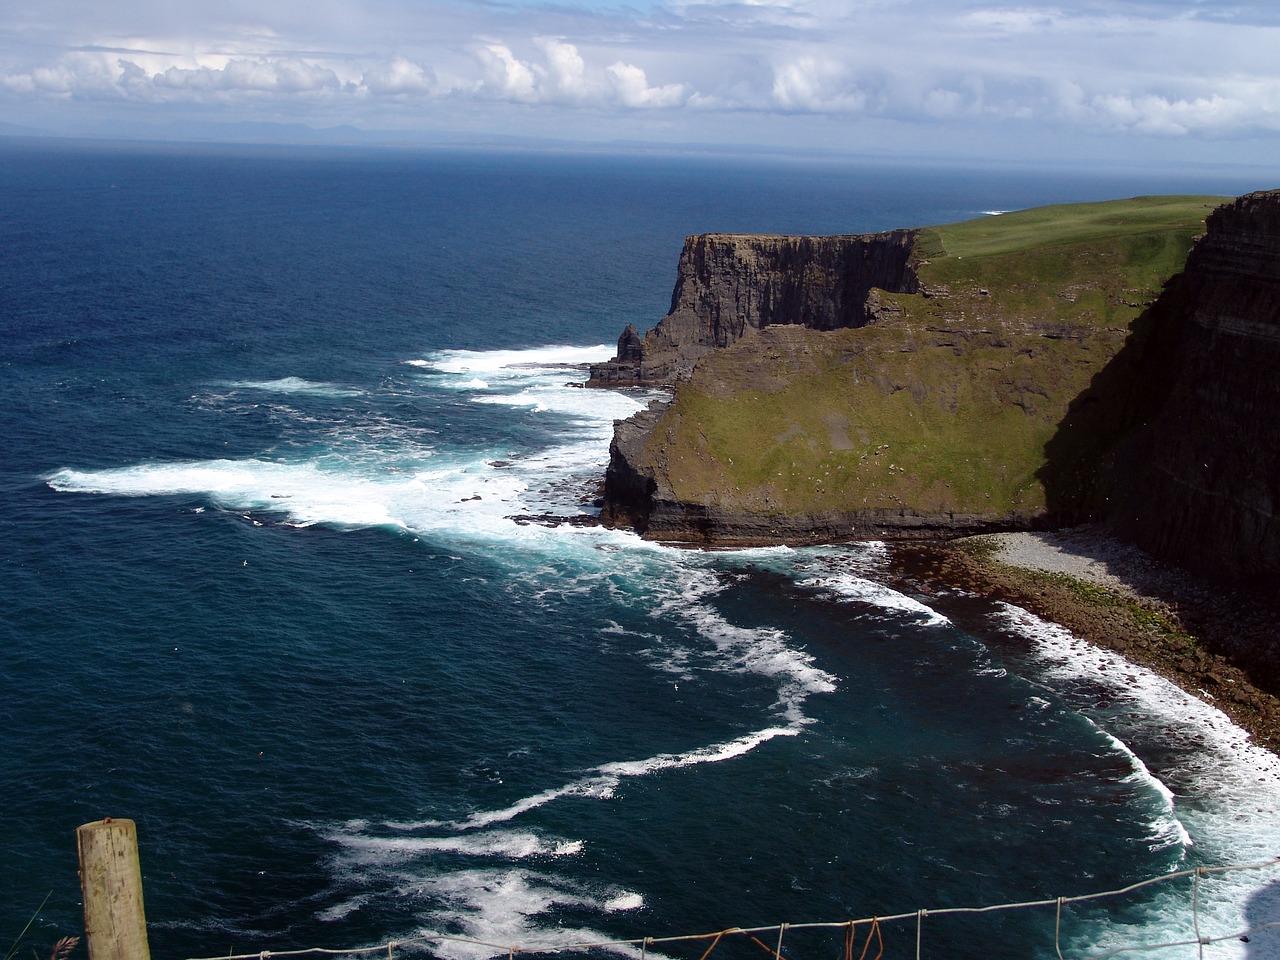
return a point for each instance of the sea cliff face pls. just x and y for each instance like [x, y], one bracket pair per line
[728, 285]
[1198, 481]
[979, 389]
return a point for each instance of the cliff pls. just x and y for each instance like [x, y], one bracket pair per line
[919, 383]
[1197, 482]
[728, 285]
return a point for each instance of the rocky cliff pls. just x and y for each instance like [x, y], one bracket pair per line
[1198, 481]
[978, 389]
[728, 285]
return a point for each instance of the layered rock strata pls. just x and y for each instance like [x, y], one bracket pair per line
[728, 285]
[1164, 424]
[1198, 482]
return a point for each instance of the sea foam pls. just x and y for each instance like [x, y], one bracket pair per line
[398, 476]
[1217, 793]
[295, 385]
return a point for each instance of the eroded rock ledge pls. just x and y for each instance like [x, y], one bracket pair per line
[729, 284]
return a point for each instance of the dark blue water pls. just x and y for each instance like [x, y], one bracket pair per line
[267, 416]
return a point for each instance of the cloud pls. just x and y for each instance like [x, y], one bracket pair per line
[1180, 69]
[817, 86]
[397, 77]
[287, 76]
[507, 77]
[631, 87]
[566, 66]
[1208, 115]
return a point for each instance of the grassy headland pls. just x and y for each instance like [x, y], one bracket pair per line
[971, 398]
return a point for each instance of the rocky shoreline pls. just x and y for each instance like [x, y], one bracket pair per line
[1112, 594]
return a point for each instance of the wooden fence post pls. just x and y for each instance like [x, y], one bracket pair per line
[115, 925]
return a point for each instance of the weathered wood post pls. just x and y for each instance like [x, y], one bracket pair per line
[115, 925]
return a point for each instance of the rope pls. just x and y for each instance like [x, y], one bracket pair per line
[1057, 931]
[713, 943]
[874, 931]
[848, 926]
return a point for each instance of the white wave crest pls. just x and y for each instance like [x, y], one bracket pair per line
[764, 651]
[492, 361]
[1219, 790]
[493, 908]
[602, 406]
[848, 586]
[464, 495]
[509, 845]
[294, 385]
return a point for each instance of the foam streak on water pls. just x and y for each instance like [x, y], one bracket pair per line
[1219, 793]
[468, 872]
[409, 482]
[500, 872]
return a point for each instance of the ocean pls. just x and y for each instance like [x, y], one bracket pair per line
[274, 423]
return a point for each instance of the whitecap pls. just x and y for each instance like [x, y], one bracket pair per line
[490, 361]
[495, 909]
[294, 385]
[1213, 787]
[508, 845]
[847, 586]
[601, 406]
[847, 574]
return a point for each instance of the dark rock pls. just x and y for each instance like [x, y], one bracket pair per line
[728, 285]
[1198, 483]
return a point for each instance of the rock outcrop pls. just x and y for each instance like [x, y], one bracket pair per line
[1120, 372]
[730, 284]
[1198, 482]
[1043, 384]
[921, 383]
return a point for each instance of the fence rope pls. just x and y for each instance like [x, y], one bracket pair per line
[875, 930]
[850, 926]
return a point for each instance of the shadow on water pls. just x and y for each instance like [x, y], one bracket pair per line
[1263, 908]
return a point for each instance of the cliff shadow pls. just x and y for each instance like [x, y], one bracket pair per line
[1085, 464]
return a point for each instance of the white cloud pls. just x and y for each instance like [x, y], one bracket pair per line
[1179, 69]
[506, 76]
[631, 86]
[1163, 116]
[818, 86]
[567, 68]
[397, 78]
[288, 76]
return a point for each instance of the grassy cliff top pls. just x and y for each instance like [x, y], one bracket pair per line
[1073, 223]
[951, 401]
[1084, 265]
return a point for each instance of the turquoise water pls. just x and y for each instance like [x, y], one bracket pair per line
[268, 416]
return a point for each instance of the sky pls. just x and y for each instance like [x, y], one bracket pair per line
[1128, 81]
